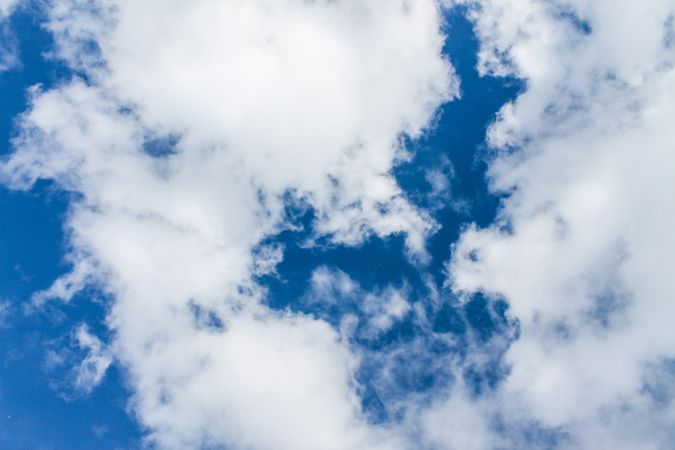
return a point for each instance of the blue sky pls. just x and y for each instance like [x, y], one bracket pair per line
[423, 224]
[39, 409]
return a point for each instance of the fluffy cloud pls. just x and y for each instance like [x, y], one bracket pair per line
[196, 122]
[583, 246]
[249, 79]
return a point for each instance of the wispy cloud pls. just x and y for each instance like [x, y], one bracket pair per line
[9, 58]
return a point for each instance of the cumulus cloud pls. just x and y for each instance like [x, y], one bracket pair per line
[583, 246]
[271, 66]
[253, 104]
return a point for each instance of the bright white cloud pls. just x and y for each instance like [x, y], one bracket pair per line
[268, 381]
[266, 98]
[291, 92]
[583, 247]
[459, 423]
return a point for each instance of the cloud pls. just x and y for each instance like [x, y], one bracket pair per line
[189, 127]
[458, 422]
[333, 293]
[271, 66]
[6, 313]
[185, 130]
[7, 6]
[76, 363]
[93, 367]
[267, 381]
[9, 58]
[583, 243]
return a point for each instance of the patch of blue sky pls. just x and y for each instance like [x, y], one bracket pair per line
[455, 150]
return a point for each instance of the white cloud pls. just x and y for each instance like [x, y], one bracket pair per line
[9, 58]
[6, 7]
[249, 79]
[77, 363]
[584, 245]
[380, 309]
[386, 310]
[268, 381]
[266, 98]
[458, 422]
[331, 286]
[93, 367]
[310, 98]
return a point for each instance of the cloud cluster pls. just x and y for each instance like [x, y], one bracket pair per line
[187, 129]
[583, 246]
[190, 127]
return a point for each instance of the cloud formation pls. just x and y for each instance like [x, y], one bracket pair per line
[583, 245]
[186, 132]
[189, 129]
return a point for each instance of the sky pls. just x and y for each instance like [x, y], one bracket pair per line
[337, 224]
